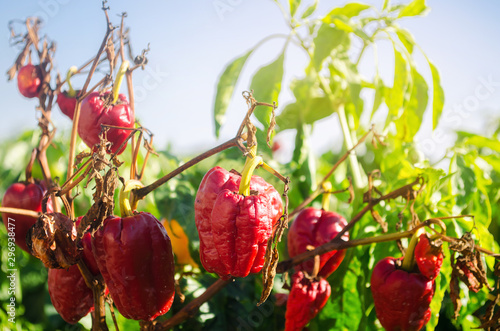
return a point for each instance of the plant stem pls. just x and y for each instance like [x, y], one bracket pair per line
[71, 90]
[319, 190]
[119, 79]
[246, 175]
[18, 211]
[76, 117]
[338, 244]
[128, 205]
[325, 202]
[409, 259]
[142, 192]
[191, 308]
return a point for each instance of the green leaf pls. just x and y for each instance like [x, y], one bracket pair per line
[406, 38]
[305, 161]
[266, 86]
[225, 88]
[315, 109]
[294, 4]
[309, 107]
[349, 10]
[414, 8]
[379, 94]
[310, 10]
[409, 123]
[463, 183]
[481, 142]
[437, 96]
[327, 39]
[387, 3]
[394, 97]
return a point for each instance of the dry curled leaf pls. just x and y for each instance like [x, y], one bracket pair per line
[464, 245]
[376, 216]
[455, 292]
[272, 125]
[53, 240]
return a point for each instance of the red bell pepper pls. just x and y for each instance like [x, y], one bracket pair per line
[234, 228]
[28, 196]
[429, 257]
[134, 255]
[401, 298]
[307, 297]
[69, 293]
[102, 108]
[315, 227]
[67, 100]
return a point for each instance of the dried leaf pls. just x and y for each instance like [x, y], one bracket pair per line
[110, 52]
[455, 294]
[380, 221]
[464, 245]
[272, 125]
[251, 134]
[53, 240]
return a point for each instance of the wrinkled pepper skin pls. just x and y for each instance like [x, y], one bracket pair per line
[24, 196]
[234, 229]
[134, 255]
[316, 227]
[67, 104]
[68, 292]
[401, 299]
[306, 299]
[94, 112]
[429, 258]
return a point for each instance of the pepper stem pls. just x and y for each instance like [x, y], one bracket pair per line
[325, 202]
[246, 175]
[119, 79]
[409, 259]
[71, 91]
[128, 203]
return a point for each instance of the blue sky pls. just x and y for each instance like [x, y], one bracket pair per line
[191, 43]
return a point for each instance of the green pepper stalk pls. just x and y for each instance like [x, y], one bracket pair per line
[119, 79]
[246, 175]
[327, 189]
[127, 203]
[409, 259]
[71, 91]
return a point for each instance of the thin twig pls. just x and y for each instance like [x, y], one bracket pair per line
[142, 192]
[192, 307]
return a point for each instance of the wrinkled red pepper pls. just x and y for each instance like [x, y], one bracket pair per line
[94, 112]
[429, 257]
[315, 227]
[134, 255]
[24, 195]
[307, 297]
[401, 298]
[233, 228]
[69, 293]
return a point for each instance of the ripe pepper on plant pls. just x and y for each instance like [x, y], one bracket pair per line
[29, 80]
[135, 258]
[235, 216]
[315, 227]
[66, 100]
[107, 109]
[69, 293]
[401, 293]
[24, 195]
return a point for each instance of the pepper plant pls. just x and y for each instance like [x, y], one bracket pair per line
[252, 250]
